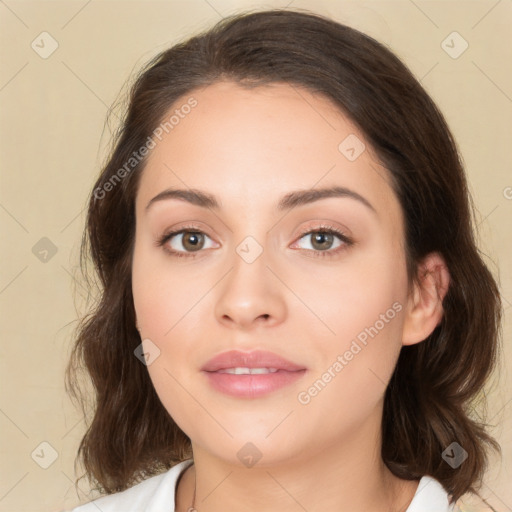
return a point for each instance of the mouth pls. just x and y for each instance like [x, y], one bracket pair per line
[251, 374]
[248, 371]
[255, 360]
[251, 382]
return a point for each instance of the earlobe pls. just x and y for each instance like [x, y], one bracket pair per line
[424, 309]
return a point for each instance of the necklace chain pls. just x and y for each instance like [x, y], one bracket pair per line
[192, 507]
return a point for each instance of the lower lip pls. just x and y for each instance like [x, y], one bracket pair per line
[252, 386]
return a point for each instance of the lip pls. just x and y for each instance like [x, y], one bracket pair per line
[255, 385]
[254, 359]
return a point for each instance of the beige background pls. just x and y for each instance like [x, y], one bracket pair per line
[52, 141]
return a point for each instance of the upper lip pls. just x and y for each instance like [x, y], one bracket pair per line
[254, 359]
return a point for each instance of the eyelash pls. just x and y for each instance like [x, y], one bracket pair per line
[325, 229]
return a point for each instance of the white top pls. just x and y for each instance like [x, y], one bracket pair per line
[156, 494]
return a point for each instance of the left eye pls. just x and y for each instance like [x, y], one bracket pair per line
[322, 240]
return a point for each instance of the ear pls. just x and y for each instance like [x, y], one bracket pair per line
[424, 309]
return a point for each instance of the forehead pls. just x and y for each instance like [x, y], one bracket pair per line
[257, 144]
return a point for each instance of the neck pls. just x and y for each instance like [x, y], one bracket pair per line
[348, 477]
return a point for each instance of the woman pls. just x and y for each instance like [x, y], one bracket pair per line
[294, 314]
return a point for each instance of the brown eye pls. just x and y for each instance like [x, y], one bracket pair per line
[184, 242]
[192, 240]
[321, 240]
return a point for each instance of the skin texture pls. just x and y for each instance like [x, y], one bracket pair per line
[249, 148]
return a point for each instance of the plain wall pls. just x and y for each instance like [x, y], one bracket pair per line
[52, 142]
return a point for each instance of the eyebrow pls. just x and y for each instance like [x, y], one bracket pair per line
[289, 201]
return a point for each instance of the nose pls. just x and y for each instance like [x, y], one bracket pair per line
[250, 295]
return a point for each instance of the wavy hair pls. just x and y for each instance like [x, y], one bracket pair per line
[428, 402]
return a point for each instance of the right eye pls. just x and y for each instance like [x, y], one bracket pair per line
[191, 239]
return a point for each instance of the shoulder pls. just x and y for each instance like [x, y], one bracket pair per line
[154, 493]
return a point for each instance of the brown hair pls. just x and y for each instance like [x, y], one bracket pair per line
[427, 403]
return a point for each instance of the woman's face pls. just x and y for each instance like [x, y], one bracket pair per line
[250, 278]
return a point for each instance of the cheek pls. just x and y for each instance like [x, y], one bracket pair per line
[163, 292]
[356, 296]
[349, 384]
[161, 301]
[170, 302]
[363, 307]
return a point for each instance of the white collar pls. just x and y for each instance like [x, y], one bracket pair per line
[430, 496]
